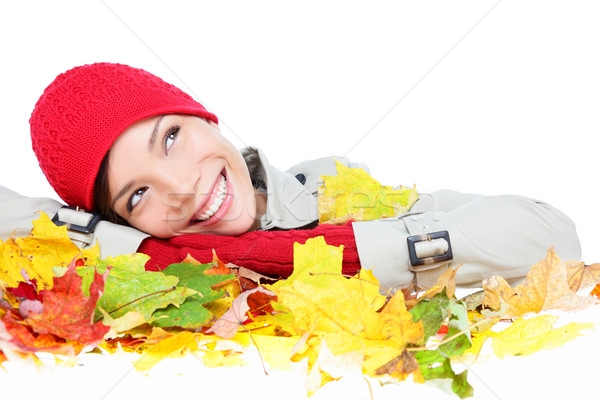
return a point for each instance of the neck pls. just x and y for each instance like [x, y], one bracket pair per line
[261, 208]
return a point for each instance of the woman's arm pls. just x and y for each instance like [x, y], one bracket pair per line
[17, 213]
[489, 235]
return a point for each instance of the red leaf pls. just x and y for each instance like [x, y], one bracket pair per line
[26, 290]
[26, 341]
[68, 313]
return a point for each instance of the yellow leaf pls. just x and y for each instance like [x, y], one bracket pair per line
[342, 312]
[354, 195]
[546, 287]
[47, 246]
[276, 350]
[226, 358]
[581, 276]
[174, 346]
[446, 280]
[316, 261]
[122, 324]
[527, 336]
[331, 367]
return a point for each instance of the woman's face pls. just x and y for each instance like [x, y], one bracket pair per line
[175, 174]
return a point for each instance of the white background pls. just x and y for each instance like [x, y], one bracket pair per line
[489, 97]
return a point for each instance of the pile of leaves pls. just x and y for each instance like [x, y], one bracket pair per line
[56, 299]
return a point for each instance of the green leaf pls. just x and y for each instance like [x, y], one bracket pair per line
[191, 314]
[432, 312]
[458, 321]
[129, 282]
[442, 375]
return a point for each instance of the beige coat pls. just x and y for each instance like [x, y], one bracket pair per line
[502, 235]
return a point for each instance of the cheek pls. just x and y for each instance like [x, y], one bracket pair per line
[153, 220]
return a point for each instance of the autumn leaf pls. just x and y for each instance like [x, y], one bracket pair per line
[354, 195]
[32, 258]
[18, 337]
[67, 312]
[401, 367]
[438, 370]
[581, 276]
[432, 312]
[546, 287]
[227, 326]
[323, 307]
[218, 267]
[173, 346]
[192, 314]
[129, 287]
[526, 336]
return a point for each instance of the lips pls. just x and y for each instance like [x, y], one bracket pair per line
[215, 202]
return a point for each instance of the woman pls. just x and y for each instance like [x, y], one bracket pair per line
[139, 151]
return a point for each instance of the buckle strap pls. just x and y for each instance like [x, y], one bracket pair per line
[80, 224]
[429, 247]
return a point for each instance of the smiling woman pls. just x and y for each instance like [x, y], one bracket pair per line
[155, 159]
[192, 180]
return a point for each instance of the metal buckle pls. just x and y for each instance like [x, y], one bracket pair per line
[435, 249]
[74, 220]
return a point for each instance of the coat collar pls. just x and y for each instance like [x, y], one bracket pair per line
[289, 204]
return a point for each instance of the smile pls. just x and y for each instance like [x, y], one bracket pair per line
[215, 202]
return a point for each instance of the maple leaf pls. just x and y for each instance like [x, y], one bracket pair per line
[218, 267]
[402, 366]
[354, 195]
[67, 312]
[527, 336]
[129, 287]
[226, 327]
[191, 313]
[596, 291]
[581, 276]
[32, 258]
[177, 345]
[437, 370]
[323, 307]
[546, 287]
[17, 336]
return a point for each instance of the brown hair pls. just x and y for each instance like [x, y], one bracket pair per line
[102, 200]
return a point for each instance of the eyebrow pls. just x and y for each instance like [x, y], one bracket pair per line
[154, 133]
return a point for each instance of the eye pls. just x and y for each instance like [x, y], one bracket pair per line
[170, 138]
[135, 198]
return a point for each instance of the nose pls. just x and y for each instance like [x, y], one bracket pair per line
[177, 188]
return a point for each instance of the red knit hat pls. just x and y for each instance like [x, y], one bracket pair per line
[81, 113]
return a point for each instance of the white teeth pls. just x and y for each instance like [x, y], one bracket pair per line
[218, 200]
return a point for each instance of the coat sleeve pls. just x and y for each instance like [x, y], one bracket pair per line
[489, 235]
[17, 213]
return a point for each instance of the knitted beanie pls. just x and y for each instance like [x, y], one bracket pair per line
[81, 113]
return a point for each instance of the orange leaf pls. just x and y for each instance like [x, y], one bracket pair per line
[24, 340]
[218, 267]
[596, 291]
[68, 313]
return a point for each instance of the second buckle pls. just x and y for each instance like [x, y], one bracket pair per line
[429, 248]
